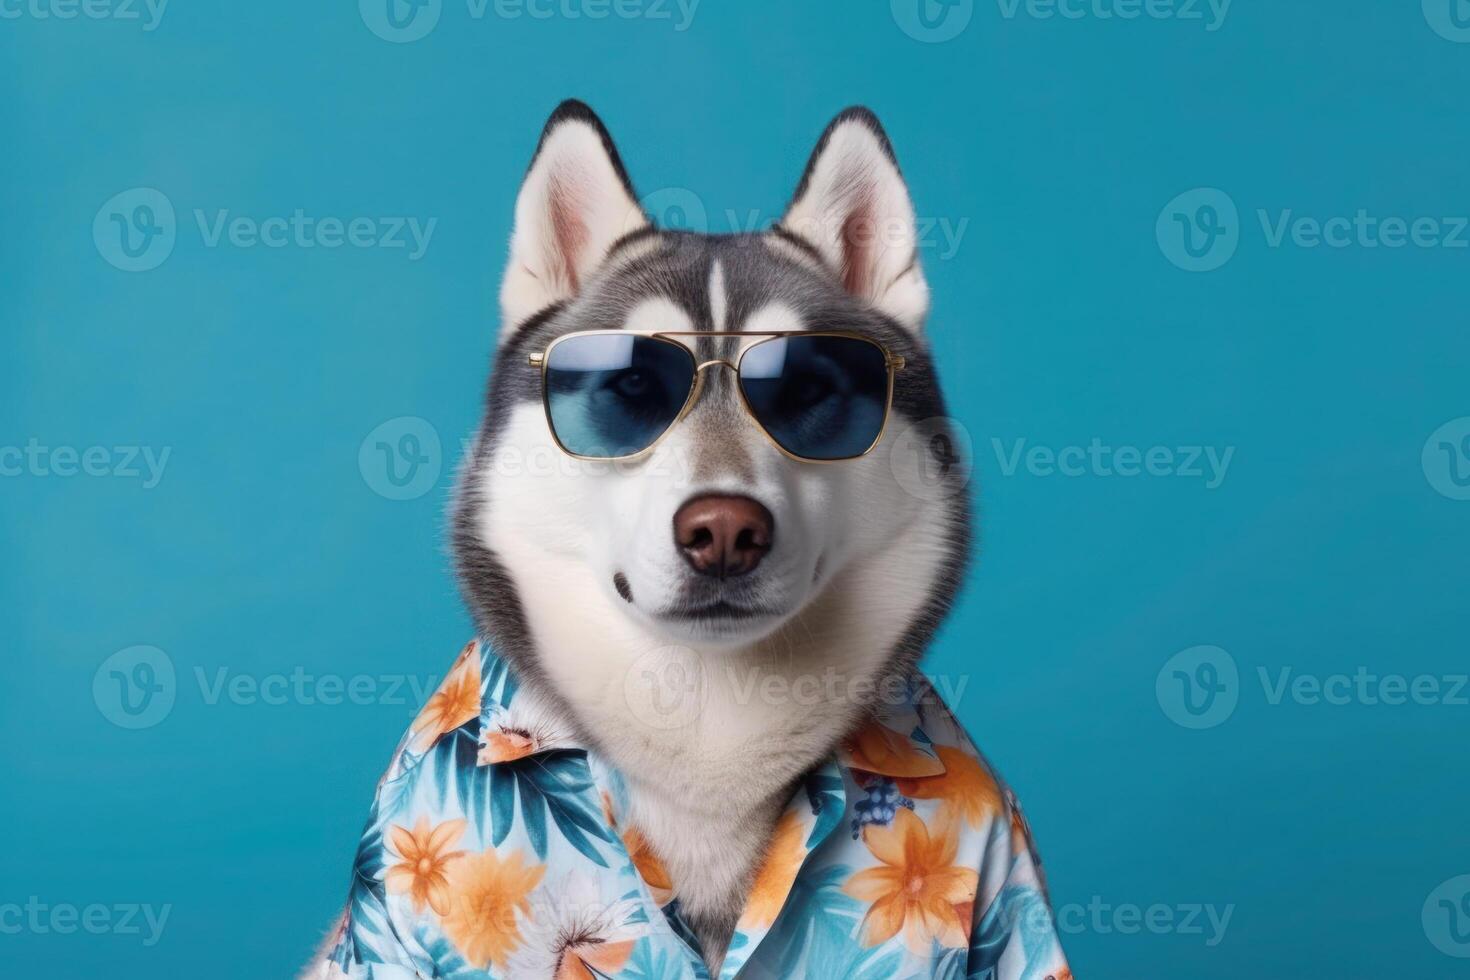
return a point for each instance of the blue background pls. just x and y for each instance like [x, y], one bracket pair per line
[1059, 319]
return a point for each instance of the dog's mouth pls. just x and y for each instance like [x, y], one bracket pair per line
[699, 613]
[719, 610]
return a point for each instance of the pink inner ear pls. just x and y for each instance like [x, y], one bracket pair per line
[860, 247]
[568, 231]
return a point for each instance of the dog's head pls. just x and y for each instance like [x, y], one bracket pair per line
[714, 539]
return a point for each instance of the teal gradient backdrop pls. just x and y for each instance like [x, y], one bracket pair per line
[267, 552]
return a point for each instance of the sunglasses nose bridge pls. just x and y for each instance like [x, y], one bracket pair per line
[698, 388]
[698, 392]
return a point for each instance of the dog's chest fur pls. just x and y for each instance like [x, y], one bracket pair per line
[711, 856]
[706, 798]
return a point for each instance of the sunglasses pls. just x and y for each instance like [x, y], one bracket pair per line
[819, 397]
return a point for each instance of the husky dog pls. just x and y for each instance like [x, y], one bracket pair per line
[717, 547]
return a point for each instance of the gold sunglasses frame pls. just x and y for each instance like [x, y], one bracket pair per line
[542, 358]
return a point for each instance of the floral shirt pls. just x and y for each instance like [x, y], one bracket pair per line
[495, 849]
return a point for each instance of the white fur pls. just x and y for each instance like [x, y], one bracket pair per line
[719, 300]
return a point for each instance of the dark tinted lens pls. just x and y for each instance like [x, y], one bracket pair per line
[819, 397]
[613, 395]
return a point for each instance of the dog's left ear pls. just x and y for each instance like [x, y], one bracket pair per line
[576, 201]
[854, 208]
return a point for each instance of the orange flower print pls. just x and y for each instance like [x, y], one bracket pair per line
[424, 856]
[486, 894]
[456, 702]
[777, 872]
[650, 867]
[964, 785]
[877, 748]
[917, 890]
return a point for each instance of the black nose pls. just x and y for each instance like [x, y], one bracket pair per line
[723, 536]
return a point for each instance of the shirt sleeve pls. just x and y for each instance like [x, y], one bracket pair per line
[1014, 936]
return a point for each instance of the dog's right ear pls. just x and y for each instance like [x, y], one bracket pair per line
[576, 201]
